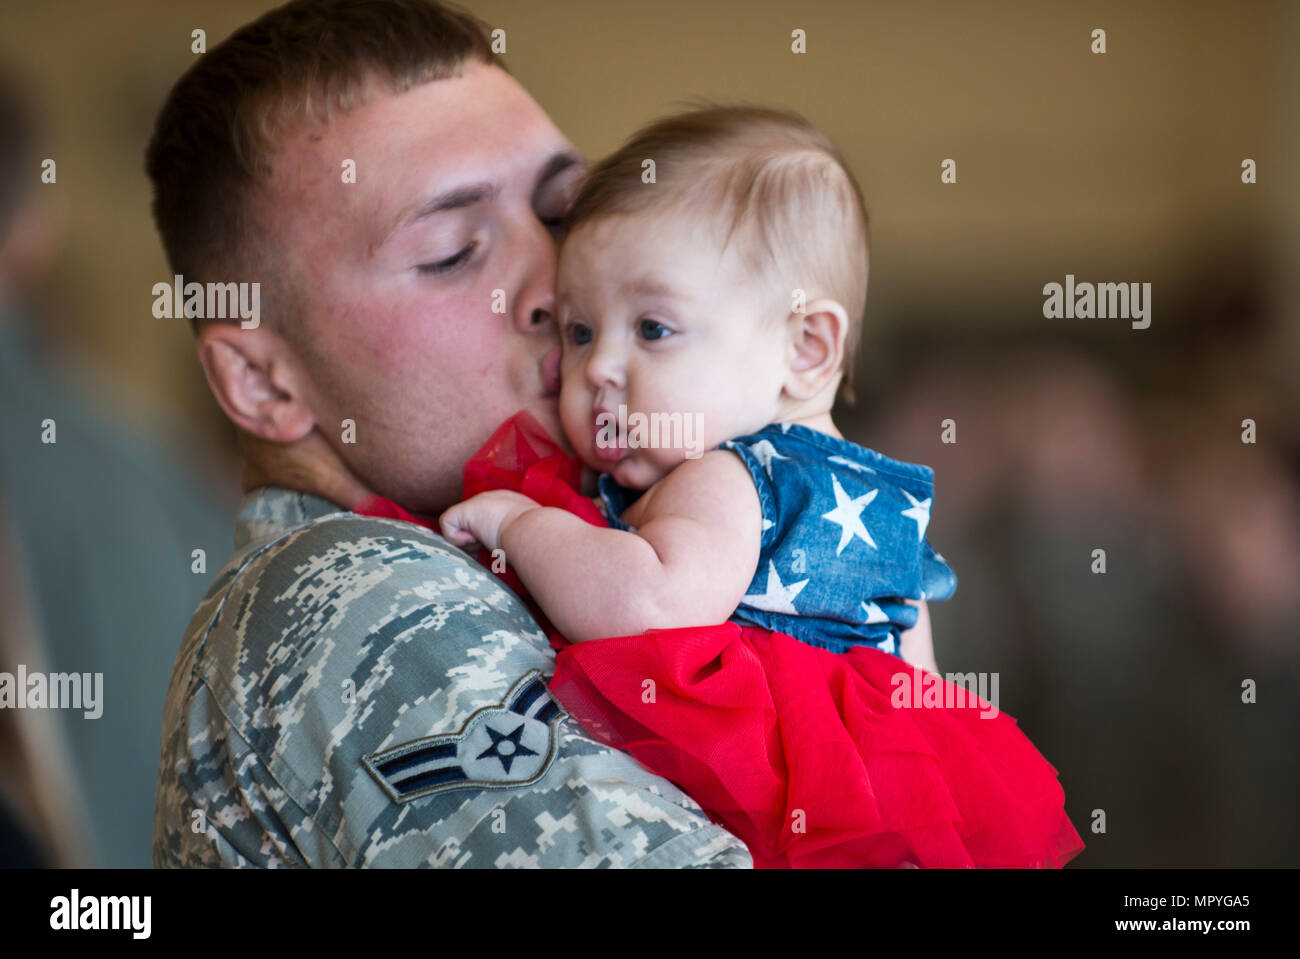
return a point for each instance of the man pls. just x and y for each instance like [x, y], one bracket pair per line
[356, 691]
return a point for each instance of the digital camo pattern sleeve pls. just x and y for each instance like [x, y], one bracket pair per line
[357, 692]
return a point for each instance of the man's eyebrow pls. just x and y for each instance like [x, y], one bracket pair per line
[461, 196]
[472, 193]
[557, 163]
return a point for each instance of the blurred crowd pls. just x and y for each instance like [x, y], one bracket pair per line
[1162, 689]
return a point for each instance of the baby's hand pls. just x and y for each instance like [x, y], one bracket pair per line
[482, 518]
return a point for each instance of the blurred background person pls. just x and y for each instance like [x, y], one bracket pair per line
[97, 533]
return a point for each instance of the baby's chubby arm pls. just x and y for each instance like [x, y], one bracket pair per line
[689, 563]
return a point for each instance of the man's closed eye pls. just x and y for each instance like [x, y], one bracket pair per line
[449, 265]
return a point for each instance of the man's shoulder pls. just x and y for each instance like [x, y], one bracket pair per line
[336, 590]
[341, 568]
[343, 698]
[306, 637]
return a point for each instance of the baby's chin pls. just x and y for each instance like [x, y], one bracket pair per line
[633, 471]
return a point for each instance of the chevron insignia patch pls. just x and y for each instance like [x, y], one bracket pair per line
[499, 747]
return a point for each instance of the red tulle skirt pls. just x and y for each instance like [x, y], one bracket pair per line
[800, 752]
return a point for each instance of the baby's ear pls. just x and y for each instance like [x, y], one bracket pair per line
[816, 337]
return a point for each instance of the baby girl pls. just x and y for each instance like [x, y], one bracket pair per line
[760, 578]
[717, 307]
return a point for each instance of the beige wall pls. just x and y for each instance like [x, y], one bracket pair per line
[1116, 167]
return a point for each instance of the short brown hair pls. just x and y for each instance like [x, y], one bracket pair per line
[773, 178]
[298, 63]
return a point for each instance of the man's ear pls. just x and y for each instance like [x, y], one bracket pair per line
[256, 380]
[816, 347]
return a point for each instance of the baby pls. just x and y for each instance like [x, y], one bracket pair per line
[761, 577]
[710, 299]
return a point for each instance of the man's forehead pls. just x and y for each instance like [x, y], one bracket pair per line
[479, 101]
[476, 128]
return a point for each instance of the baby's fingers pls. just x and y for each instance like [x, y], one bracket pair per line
[454, 526]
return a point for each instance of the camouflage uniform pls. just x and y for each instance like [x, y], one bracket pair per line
[357, 692]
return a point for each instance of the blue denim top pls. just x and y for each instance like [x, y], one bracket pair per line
[843, 538]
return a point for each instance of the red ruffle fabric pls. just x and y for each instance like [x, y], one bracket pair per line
[814, 759]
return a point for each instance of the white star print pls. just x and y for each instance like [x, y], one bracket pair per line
[888, 647]
[848, 514]
[767, 524]
[920, 512]
[766, 452]
[874, 613]
[778, 598]
[849, 463]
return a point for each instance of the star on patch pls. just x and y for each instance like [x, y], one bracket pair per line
[848, 515]
[778, 598]
[920, 512]
[503, 746]
[506, 748]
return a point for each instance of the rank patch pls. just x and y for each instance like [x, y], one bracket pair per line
[499, 747]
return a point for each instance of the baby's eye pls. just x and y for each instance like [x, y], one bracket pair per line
[579, 333]
[654, 330]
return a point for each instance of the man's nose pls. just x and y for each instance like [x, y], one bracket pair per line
[536, 311]
[537, 316]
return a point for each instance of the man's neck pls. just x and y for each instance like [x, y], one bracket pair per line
[309, 466]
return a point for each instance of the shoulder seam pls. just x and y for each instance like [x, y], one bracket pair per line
[766, 492]
[915, 472]
[251, 557]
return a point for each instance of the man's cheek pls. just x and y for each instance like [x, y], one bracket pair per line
[469, 334]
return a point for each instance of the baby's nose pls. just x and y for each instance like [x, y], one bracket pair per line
[605, 368]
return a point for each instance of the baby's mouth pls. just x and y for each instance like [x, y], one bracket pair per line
[607, 440]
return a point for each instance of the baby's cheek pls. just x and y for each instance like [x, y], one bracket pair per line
[655, 464]
[572, 418]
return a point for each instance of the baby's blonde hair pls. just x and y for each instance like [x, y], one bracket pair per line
[774, 180]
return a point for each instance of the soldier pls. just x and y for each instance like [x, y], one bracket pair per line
[355, 691]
